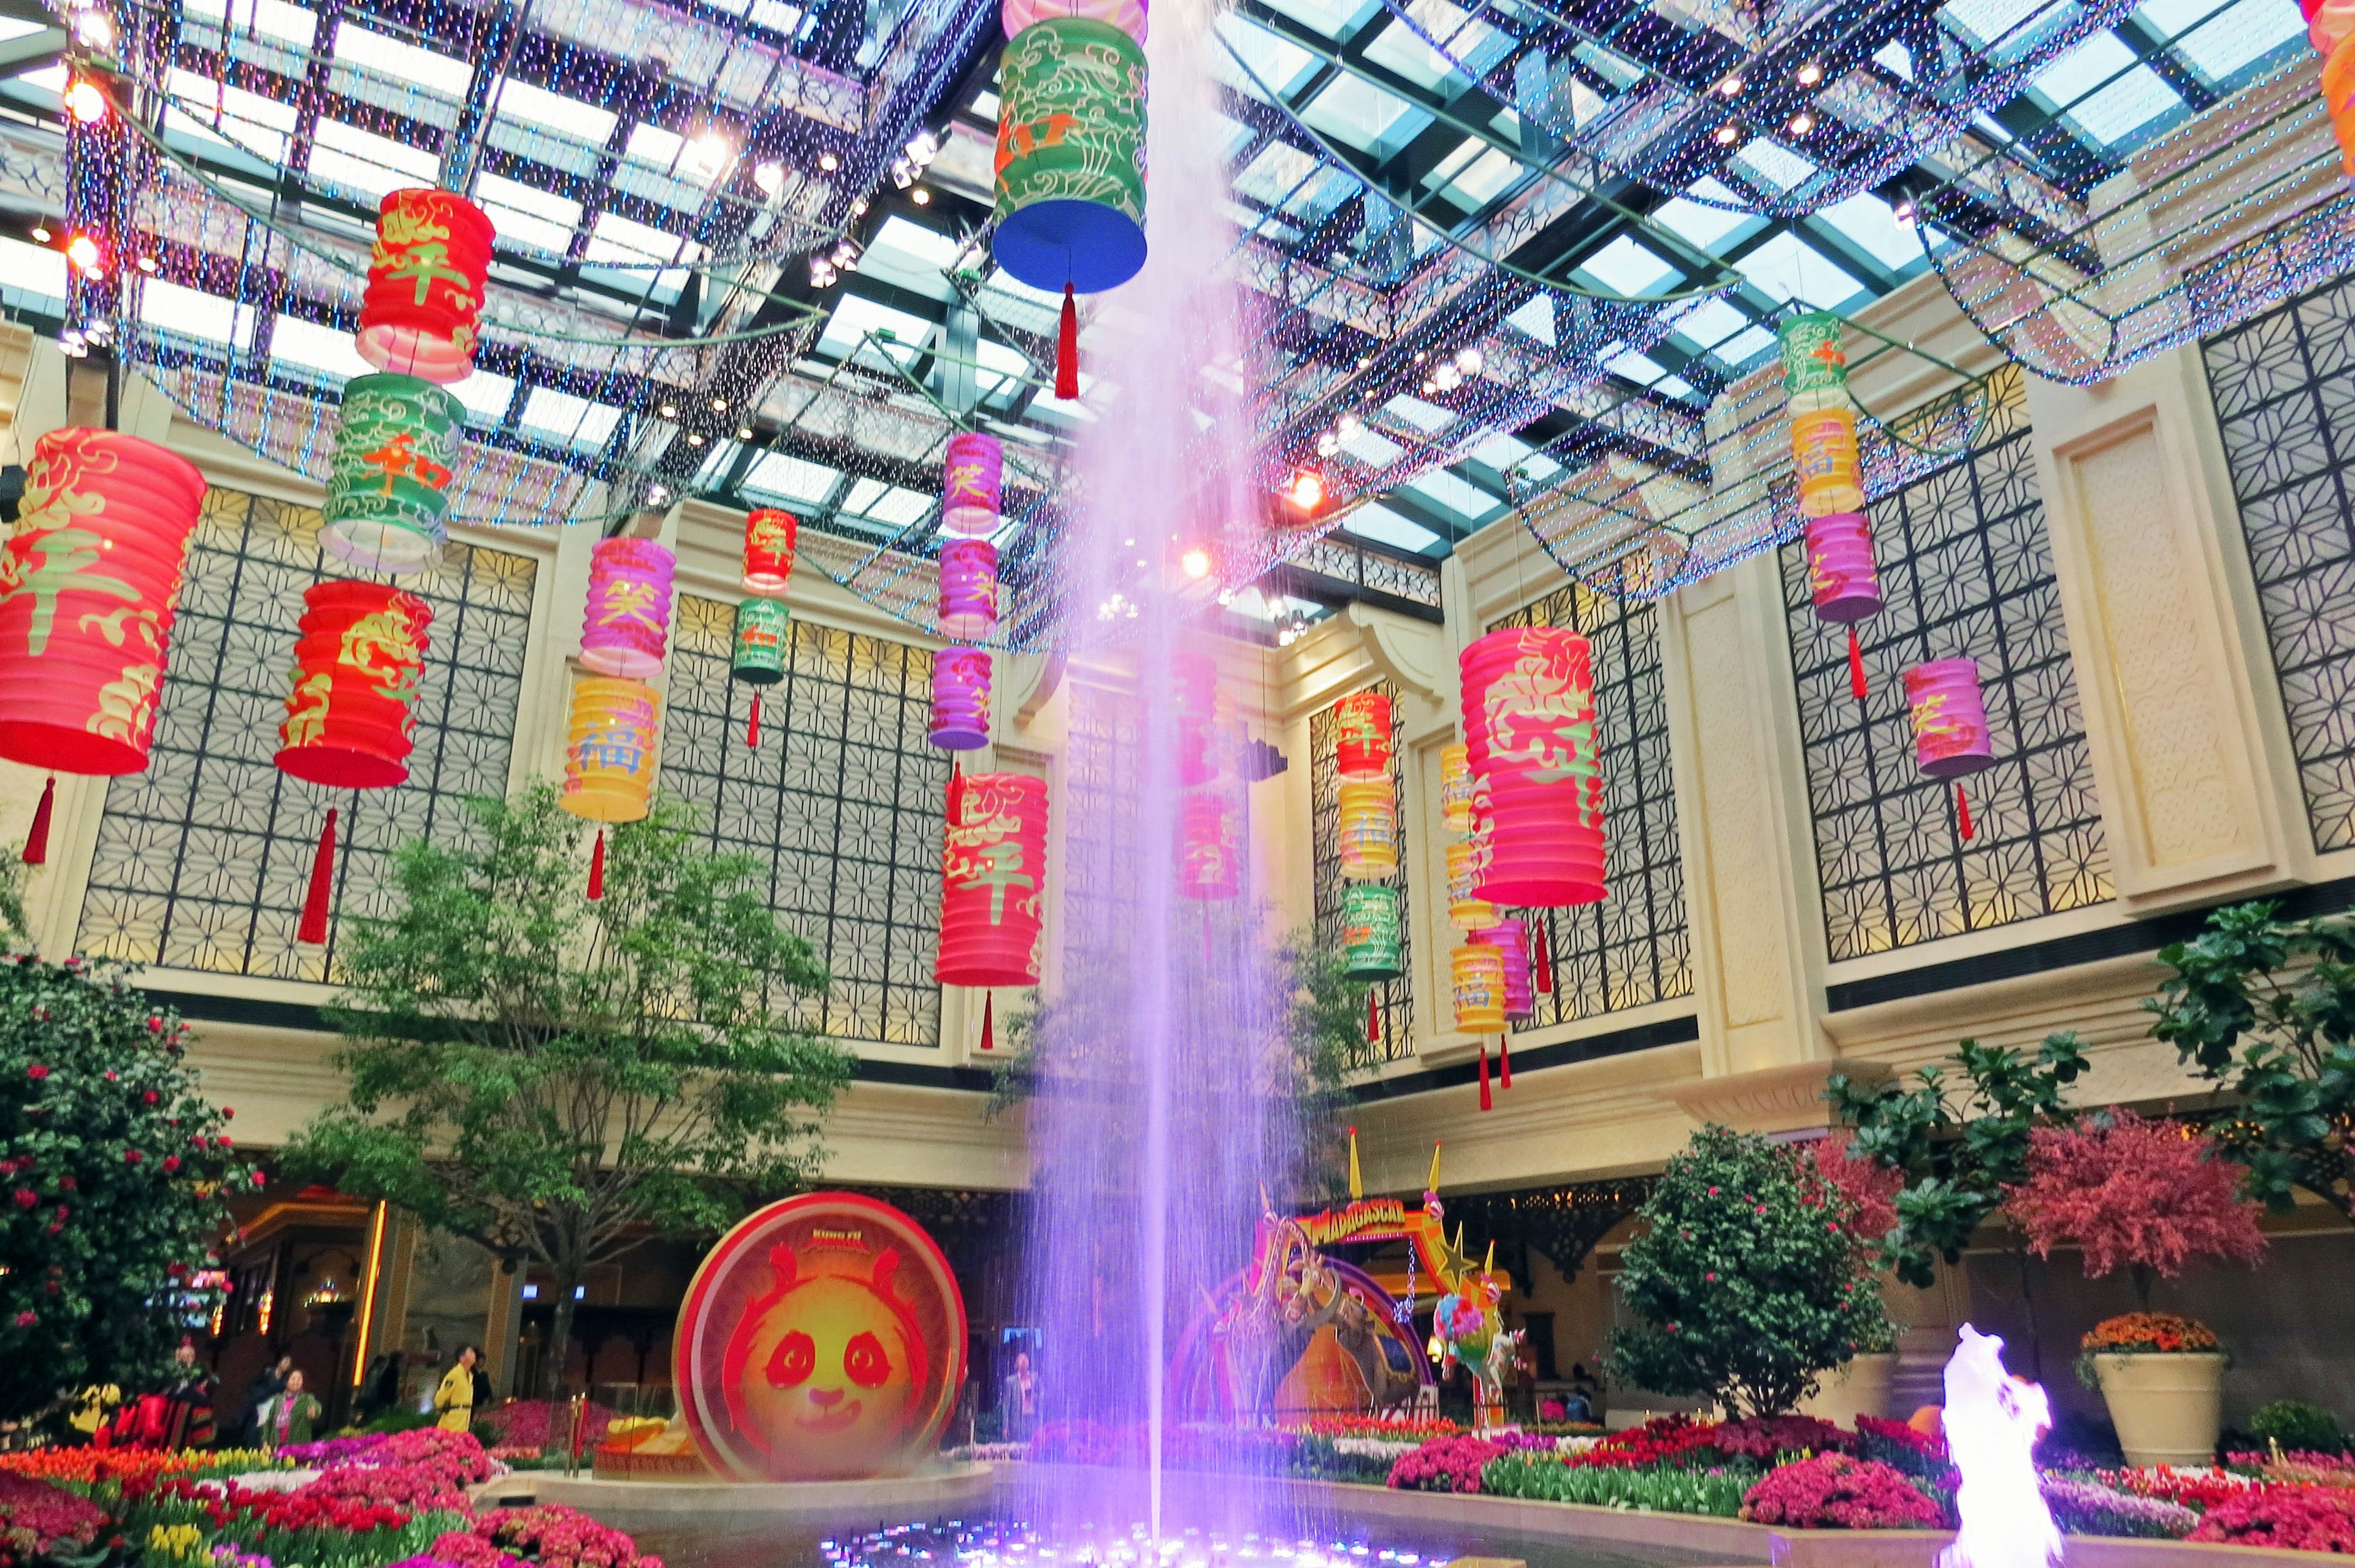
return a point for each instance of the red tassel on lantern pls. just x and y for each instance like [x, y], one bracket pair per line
[312, 928]
[956, 794]
[37, 842]
[1066, 348]
[1855, 666]
[1963, 812]
[1488, 1102]
[752, 725]
[1373, 1019]
[1505, 1061]
[988, 1023]
[1544, 964]
[597, 867]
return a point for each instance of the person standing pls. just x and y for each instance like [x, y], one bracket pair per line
[268, 1384]
[455, 1398]
[188, 1401]
[1017, 1402]
[287, 1416]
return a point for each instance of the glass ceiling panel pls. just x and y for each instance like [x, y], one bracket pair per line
[1788, 268]
[1357, 113]
[1377, 522]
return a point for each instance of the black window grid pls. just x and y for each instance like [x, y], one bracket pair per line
[1632, 948]
[1965, 568]
[2284, 385]
[204, 860]
[844, 802]
[1393, 1000]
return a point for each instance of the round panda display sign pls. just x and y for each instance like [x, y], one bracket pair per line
[824, 1338]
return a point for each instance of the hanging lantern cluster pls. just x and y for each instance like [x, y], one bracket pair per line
[993, 880]
[1951, 738]
[1843, 583]
[1070, 154]
[608, 769]
[87, 591]
[763, 623]
[968, 612]
[397, 434]
[1364, 754]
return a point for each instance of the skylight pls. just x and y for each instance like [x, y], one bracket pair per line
[1788, 268]
[1456, 495]
[519, 100]
[886, 502]
[2244, 35]
[526, 213]
[1871, 224]
[367, 162]
[2103, 90]
[1280, 63]
[855, 316]
[172, 308]
[1357, 113]
[270, 18]
[1377, 522]
[1626, 267]
[485, 396]
[574, 420]
[34, 269]
[774, 476]
[1702, 226]
[323, 349]
[402, 62]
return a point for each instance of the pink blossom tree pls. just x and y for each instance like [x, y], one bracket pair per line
[1866, 1183]
[2148, 1196]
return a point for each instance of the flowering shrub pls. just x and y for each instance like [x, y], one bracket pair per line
[464, 1549]
[1763, 1436]
[555, 1536]
[35, 1518]
[332, 1451]
[1416, 1428]
[1833, 1490]
[1445, 1465]
[2299, 1467]
[536, 1423]
[2081, 1507]
[2132, 1193]
[2304, 1518]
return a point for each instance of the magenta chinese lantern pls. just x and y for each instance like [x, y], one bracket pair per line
[358, 661]
[1510, 937]
[972, 484]
[1529, 723]
[627, 624]
[993, 880]
[770, 536]
[1209, 854]
[1361, 735]
[1839, 568]
[968, 588]
[91, 579]
[425, 282]
[1950, 727]
[960, 700]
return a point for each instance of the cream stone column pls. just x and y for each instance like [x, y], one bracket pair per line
[2191, 748]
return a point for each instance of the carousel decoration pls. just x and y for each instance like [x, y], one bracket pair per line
[1071, 157]
[770, 536]
[960, 700]
[1951, 739]
[387, 502]
[359, 659]
[759, 660]
[608, 769]
[993, 880]
[1528, 719]
[88, 588]
[626, 628]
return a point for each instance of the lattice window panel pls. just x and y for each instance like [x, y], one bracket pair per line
[843, 801]
[1965, 569]
[1631, 949]
[1100, 870]
[203, 859]
[2284, 386]
[1393, 998]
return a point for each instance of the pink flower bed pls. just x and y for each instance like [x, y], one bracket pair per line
[1836, 1492]
[37, 1517]
[1445, 1465]
[2303, 1518]
[555, 1536]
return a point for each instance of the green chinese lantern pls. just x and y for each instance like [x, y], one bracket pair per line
[397, 441]
[1369, 931]
[759, 642]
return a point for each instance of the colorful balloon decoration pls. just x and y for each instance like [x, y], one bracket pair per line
[972, 483]
[828, 1294]
[969, 607]
[1528, 717]
[1368, 829]
[1951, 738]
[1823, 417]
[1370, 945]
[960, 700]
[609, 769]
[425, 282]
[1457, 786]
[770, 537]
[1209, 856]
[626, 628]
[1071, 161]
[993, 880]
[90, 584]
[397, 447]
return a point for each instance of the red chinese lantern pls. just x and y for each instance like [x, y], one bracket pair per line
[87, 587]
[358, 661]
[993, 880]
[1528, 721]
[769, 539]
[1361, 731]
[1209, 856]
[425, 282]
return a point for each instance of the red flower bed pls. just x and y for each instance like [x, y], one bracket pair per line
[1763, 1436]
[1445, 1465]
[1664, 1440]
[2303, 1518]
[555, 1536]
[2202, 1489]
[462, 1548]
[37, 1517]
[1834, 1491]
[226, 1503]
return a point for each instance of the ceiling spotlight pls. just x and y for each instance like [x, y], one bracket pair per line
[921, 197]
[85, 101]
[706, 158]
[668, 410]
[94, 30]
[904, 172]
[41, 233]
[821, 272]
[844, 254]
[1429, 387]
[1802, 122]
[1727, 133]
[147, 263]
[1307, 489]
[828, 162]
[1447, 377]
[694, 438]
[658, 494]
[858, 207]
[1349, 427]
[923, 148]
[1470, 360]
[1811, 73]
[770, 175]
[743, 432]
[1904, 211]
[1328, 445]
[1195, 563]
[83, 253]
[1732, 86]
[719, 405]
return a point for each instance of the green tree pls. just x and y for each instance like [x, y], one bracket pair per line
[1749, 1280]
[2266, 1010]
[112, 1170]
[556, 1077]
[1957, 1143]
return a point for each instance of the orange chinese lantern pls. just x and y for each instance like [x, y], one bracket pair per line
[87, 587]
[993, 880]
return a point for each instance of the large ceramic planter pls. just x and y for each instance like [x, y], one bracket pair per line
[1861, 1388]
[2167, 1408]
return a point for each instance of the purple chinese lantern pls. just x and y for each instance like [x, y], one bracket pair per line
[1950, 726]
[1841, 576]
[1512, 936]
[960, 699]
[968, 588]
[628, 619]
[970, 484]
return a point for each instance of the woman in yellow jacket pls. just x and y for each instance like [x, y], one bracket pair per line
[455, 1398]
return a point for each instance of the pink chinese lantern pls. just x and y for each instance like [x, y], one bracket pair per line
[1950, 726]
[993, 877]
[1361, 735]
[1209, 858]
[968, 588]
[1510, 937]
[971, 484]
[960, 700]
[627, 624]
[1529, 722]
[769, 539]
[87, 587]
[1841, 577]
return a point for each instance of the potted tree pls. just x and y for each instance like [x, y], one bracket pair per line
[2149, 1197]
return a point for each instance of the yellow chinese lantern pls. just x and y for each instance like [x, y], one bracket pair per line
[1466, 910]
[609, 772]
[1369, 830]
